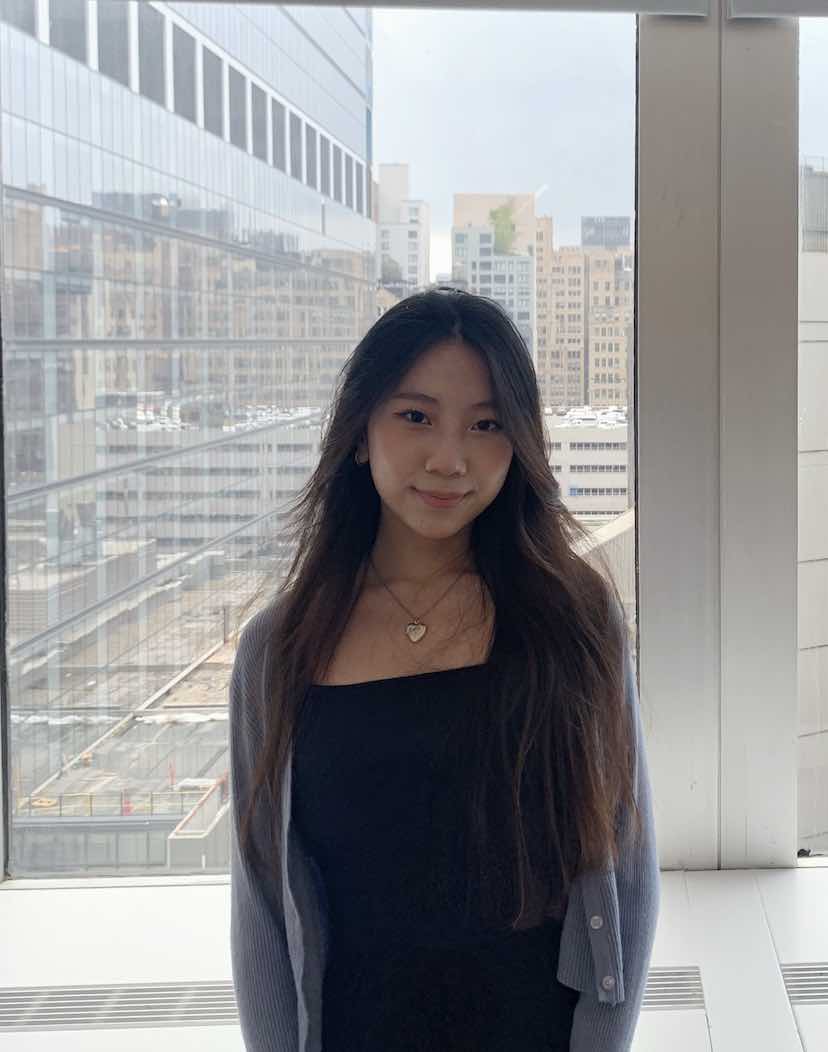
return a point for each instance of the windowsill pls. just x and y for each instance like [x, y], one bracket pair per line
[172, 880]
[744, 932]
[140, 881]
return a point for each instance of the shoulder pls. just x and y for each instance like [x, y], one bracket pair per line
[247, 676]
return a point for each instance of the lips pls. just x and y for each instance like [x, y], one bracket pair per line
[436, 501]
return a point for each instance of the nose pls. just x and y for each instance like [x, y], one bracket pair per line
[446, 457]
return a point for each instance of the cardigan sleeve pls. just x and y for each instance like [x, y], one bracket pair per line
[261, 968]
[599, 1026]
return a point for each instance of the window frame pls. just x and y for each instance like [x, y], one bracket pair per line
[710, 302]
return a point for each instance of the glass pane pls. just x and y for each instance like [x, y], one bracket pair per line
[259, 116]
[310, 155]
[20, 13]
[184, 73]
[67, 27]
[152, 60]
[175, 315]
[295, 146]
[213, 93]
[279, 133]
[238, 109]
[113, 39]
[812, 795]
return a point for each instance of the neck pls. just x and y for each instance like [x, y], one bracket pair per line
[419, 562]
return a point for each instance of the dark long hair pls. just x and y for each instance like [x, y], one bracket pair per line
[554, 728]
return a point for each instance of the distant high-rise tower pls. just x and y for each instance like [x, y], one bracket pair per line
[493, 253]
[403, 233]
[605, 231]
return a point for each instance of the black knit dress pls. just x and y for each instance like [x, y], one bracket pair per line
[377, 791]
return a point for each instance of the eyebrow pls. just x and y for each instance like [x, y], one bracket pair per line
[420, 397]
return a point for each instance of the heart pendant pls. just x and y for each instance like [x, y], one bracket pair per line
[415, 631]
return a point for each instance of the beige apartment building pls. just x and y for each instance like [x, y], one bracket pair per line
[584, 322]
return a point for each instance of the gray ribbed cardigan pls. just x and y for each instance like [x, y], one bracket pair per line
[278, 925]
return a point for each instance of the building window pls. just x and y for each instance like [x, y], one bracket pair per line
[412, 235]
[349, 181]
[295, 146]
[337, 168]
[279, 130]
[151, 65]
[113, 40]
[359, 185]
[325, 165]
[213, 93]
[259, 113]
[238, 109]
[19, 13]
[184, 83]
[310, 152]
[67, 27]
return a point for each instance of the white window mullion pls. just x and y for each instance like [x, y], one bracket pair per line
[758, 398]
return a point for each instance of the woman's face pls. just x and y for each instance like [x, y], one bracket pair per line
[446, 443]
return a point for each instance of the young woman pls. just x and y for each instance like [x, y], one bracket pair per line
[442, 834]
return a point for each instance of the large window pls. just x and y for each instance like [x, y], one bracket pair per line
[20, 13]
[295, 146]
[337, 172]
[175, 314]
[184, 80]
[324, 165]
[67, 27]
[113, 39]
[259, 114]
[238, 109]
[213, 93]
[151, 56]
[279, 136]
[310, 155]
[349, 180]
[359, 186]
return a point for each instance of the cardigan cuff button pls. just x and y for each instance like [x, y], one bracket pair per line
[608, 982]
[596, 922]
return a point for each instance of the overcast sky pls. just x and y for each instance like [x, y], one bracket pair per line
[530, 102]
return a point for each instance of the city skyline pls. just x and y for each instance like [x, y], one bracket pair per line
[592, 100]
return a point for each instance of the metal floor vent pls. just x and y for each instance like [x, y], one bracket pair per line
[117, 1005]
[807, 984]
[673, 988]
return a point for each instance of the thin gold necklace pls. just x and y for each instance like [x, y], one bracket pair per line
[415, 630]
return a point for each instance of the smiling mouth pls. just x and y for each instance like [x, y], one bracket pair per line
[437, 501]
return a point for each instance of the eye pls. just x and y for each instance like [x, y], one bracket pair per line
[421, 413]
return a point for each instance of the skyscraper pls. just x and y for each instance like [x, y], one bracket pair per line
[188, 259]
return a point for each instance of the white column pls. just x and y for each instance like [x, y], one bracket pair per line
[169, 87]
[225, 119]
[92, 33]
[248, 95]
[42, 14]
[199, 88]
[132, 24]
[269, 122]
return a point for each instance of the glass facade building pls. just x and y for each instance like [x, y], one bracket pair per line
[183, 277]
